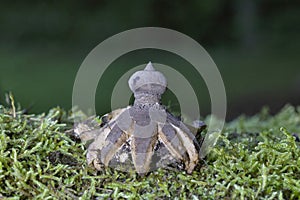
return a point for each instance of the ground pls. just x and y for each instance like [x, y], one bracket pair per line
[255, 158]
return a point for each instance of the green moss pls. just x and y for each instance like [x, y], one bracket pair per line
[255, 158]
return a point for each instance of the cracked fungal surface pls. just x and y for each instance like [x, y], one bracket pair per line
[144, 136]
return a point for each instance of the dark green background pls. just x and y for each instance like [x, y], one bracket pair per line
[255, 44]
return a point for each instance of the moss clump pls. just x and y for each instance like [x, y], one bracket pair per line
[255, 158]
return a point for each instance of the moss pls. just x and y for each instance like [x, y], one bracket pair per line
[255, 158]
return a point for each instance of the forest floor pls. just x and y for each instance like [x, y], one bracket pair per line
[256, 157]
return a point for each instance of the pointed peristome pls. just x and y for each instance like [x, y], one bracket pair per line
[149, 67]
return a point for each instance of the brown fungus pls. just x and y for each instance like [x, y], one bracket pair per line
[144, 136]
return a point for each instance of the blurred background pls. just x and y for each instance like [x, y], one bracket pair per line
[255, 45]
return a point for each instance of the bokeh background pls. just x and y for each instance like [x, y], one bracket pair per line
[255, 44]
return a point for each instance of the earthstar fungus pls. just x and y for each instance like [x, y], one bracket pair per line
[143, 136]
